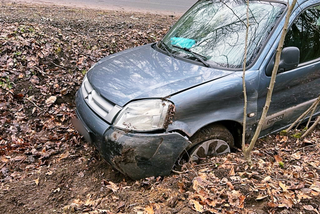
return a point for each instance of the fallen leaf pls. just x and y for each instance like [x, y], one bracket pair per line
[296, 187]
[56, 190]
[303, 196]
[261, 187]
[266, 179]
[288, 203]
[283, 186]
[277, 158]
[64, 91]
[77, 202]
[64, 155]
[236, 199]
[211, 210]
[149, 209]
[19, 158]
[310, 208]
[261, 197]
[90, 202]
[241, 201]
[49, 173]
[315, 186]
[4, 159]
[199, 182]
[296, 155]
[112, 186]
[197, 206]
[272, 205]
[284, 139]
[181, 186]
[232, 173]
[138, 210]
[199, 196]
[230, 185]
[315, 164]
[211, 202]
[51, 100]
[37, 181]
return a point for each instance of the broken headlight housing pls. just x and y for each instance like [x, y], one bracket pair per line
[145, 115]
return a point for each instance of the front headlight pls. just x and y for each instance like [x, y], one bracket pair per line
[145, 115]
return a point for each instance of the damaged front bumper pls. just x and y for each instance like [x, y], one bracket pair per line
[137, 155]
[143, 155]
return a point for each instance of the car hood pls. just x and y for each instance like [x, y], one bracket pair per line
[144, 72]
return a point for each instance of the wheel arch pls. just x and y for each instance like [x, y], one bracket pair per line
[234, 128]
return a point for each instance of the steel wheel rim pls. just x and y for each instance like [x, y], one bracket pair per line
[209, 148]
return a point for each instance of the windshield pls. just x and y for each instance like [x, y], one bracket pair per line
[216, 30]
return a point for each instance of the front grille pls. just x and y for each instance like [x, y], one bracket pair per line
[98, 104]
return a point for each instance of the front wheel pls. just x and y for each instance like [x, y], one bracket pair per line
[210, 141]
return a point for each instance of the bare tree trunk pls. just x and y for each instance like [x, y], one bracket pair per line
[247, 150]
[244, 82]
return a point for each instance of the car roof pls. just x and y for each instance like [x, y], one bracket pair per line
[290, 1]
[299, 2]
[285, 1]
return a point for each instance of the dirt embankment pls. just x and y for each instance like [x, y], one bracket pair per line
[46, 167]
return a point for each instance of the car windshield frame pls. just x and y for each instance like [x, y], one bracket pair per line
[216, 29]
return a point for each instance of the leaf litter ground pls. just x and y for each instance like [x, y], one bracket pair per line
[46, 167]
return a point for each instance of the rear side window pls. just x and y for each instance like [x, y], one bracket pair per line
[305, 34]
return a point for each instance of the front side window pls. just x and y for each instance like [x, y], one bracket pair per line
[215, 30]
[305, 34]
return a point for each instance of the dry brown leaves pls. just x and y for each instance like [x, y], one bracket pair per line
[281, 177]
[228, 184]
[42, 62]
[43, 57]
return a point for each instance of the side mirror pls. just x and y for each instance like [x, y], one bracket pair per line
[290, 58]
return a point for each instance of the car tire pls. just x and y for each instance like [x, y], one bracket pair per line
[210, 141]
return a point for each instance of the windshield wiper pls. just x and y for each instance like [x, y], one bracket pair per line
[166, 48]
[199, 57]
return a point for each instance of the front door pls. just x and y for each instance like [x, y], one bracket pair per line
[295, 90]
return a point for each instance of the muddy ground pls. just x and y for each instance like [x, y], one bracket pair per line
[47, 167]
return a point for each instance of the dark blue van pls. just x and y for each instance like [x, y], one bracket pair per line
[147, 107]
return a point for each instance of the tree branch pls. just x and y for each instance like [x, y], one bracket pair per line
[247, 151]
[244, 82]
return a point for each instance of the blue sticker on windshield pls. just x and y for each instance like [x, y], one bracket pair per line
[182, 42]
